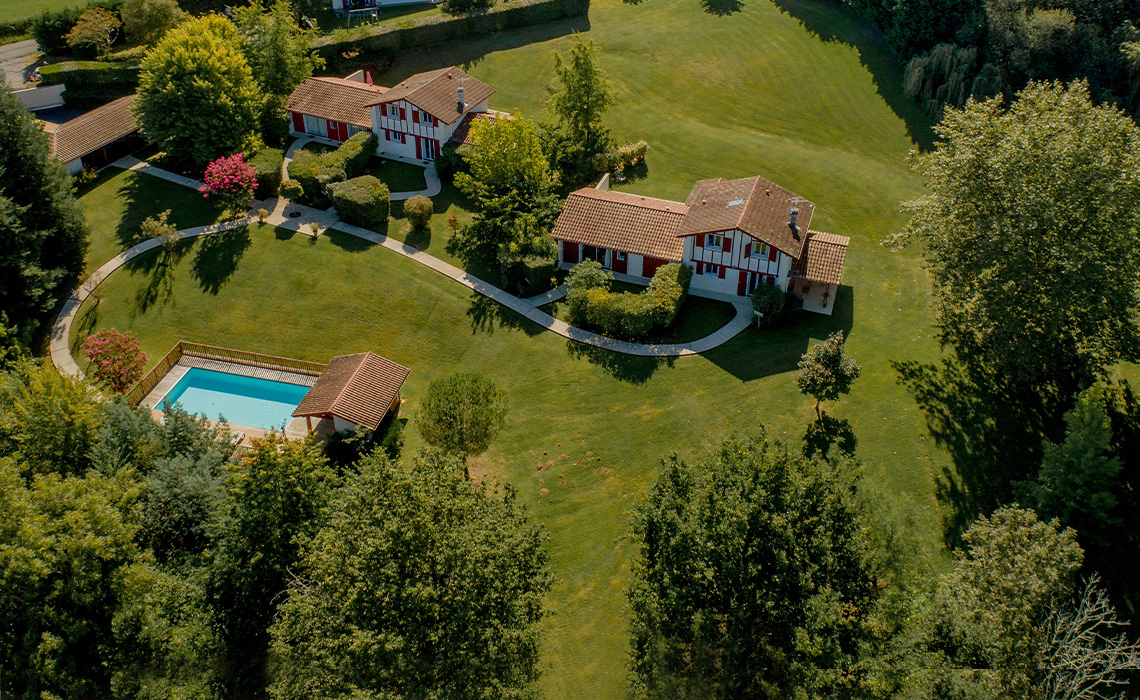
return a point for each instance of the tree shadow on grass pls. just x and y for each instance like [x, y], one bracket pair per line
[832, 22]
[159, 268]
[218, 257]
[625, 368]
[993, 437]
[722, 8]
[419, 238]
[345, 241]
[144, 196]
[755, 354]
[488, 315]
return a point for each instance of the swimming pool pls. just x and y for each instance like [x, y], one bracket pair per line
[258, 403]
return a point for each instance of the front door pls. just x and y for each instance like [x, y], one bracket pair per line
[430, 150]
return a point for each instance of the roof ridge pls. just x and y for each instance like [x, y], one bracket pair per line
[594, 191]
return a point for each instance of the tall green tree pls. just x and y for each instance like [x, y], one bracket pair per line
[43, 236]
[418, 587]
[147, 21]
[1080, 476]
[989, 610]
[276, 48]
[1029, 235]
[462, 413]
[275, 499]
[754, 578]
[197, 99]
[580, 101]
[510, 182]
[826, 372]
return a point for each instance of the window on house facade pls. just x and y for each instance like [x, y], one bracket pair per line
[714, 240]
[600, 255]
[760, 250]
[620, 255]
[713, 270]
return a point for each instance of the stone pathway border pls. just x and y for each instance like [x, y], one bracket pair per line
[61, 331]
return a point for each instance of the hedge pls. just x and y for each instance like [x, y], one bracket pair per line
[17, 27]
[79, 74]
[362, 201]
[268, 163]
[437, 29]
[317, 171]
[632, 315]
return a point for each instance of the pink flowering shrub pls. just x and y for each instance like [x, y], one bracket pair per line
[231, 179]
[116, 359]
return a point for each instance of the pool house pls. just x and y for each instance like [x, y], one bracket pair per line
[257, 394]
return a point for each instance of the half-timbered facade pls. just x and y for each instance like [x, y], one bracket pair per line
[736, 234]
[412, 120]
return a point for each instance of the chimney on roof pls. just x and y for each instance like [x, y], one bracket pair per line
[792, 214]
[461, 104]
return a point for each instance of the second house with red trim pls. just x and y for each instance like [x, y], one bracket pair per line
[736, 234]
[412, 119]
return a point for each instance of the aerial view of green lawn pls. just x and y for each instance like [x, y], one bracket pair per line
[798, 91]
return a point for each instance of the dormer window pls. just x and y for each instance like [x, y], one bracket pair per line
[760, 250]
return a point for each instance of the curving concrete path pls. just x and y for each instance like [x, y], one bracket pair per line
[61, 331]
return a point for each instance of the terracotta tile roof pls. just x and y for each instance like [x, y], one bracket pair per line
[823, 258]
[753, 205]
[437, 93]
[358, 388]
[621, 221]
[337, 99]
[91, 131]
[462, 134]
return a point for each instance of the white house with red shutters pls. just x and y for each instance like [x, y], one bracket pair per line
[736, 234]
[412, 119]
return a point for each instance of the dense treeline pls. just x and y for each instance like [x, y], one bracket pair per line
[956, 49]
[147, 559]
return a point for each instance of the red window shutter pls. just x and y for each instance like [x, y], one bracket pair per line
[726, 244]
[720, 272]
[700, 268]
[415, 116]
[771, 253]
[747, 250]
[742, 285]
[434, 121]
[403, 113]
[698, 241]
[298, 122]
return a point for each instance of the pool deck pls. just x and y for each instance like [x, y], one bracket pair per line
[294, 429]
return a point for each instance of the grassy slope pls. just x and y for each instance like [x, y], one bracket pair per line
[19, 9]
[716, 96]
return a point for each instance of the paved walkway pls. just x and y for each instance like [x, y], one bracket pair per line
[18, 60]
[431, 178]
[141, 166]
[543, 299]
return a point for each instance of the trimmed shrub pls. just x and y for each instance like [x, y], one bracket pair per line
[362, 201]
[317, 171]
[268, 163]
[768, 301]
[591, 303]
[418, 209]
[50, 29]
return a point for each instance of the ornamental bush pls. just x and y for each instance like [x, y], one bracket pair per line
[418, 209]
[626, 314]
[362, 201]
[317, 171]
[267, 163]
[116, 359]
[232, 180]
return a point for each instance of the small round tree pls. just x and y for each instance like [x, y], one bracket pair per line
[462, 413]
[291, 190]
[418, 209]
[116, 359]
[768, 301]
[826, 372]
[232, 180]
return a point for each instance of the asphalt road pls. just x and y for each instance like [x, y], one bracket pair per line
[17, 58]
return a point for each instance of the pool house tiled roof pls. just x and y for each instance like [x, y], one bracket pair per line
[359, 388]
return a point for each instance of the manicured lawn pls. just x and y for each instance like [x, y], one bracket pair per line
[399, 177]
[798, 91]
[119, 201]
[19, 9]
[328, 21]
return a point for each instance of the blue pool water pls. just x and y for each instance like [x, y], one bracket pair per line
[258, 403]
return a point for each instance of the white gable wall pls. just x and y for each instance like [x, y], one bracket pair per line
[397, 129]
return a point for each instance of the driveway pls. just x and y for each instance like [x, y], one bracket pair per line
[17, 59]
